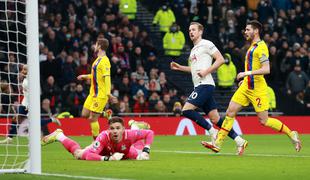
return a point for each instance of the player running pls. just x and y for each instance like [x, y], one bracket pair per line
[253, 89]
[100, 87]
[114, 144]
[201, 67]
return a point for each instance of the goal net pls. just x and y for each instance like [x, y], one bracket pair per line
[20, 148]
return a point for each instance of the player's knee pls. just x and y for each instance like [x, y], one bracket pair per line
[262, 121]
[230, 112]
[214, 119]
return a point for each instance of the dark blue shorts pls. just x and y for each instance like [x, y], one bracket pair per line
[202, 97]
[22, 111]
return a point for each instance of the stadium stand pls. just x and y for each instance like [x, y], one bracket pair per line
[69, 28]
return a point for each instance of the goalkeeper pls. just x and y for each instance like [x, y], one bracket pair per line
[114, 144]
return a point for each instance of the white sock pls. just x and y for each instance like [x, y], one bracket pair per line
[212, 131]
[61, 137]
[239, 141]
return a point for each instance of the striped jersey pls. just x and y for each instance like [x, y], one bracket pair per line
[255, 56]
[100, 68]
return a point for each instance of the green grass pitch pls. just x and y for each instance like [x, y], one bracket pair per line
[182, 157]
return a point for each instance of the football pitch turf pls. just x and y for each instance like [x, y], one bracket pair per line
[182, 157]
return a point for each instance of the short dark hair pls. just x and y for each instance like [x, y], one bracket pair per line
[116, 119]
[256, 25]
[200, 26]
[103, 43]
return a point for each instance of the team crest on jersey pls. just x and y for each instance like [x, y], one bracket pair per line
[194, 58]
[96, 144]
[123, 147]
[95, 104]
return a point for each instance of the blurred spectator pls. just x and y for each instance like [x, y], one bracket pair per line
[114, 106]
[184, 20]
[163, 83]
[153, 101]
[124, 87]
[177, 109]
[265, 11]
[52, 42]
[226, 73]
[167, 102]
[160, 106]
[141, 105]
[68, 71]
[140, 86]
[123, 58]
[153, 85]
[76, 100]
[136, 59]
[174, 41]
[84, 67]
[296, 83]
[51, 91]
[141, 74]
[210, 14]
[128, 8]
[51, 67]
[6, 99]
[43, 53]
[164, 17]
[151, 62]
[116, 71]
[123, 107]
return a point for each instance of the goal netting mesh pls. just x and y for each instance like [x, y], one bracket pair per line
[14, 148]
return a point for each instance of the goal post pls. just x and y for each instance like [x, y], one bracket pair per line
[19, 45]
[32, 27]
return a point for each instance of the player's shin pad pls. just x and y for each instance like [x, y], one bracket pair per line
[222, 134]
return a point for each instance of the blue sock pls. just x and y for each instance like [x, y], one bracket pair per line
[44, 122]
[196, 117]
[13, 130]
[232, 134]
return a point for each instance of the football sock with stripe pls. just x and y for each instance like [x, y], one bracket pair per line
[226, 127]
[232, 133]
[278, 126]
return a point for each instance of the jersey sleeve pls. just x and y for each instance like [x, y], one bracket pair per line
[210, 48]
[147, 135]
[105, 67]
[263, 54]
[98, 145]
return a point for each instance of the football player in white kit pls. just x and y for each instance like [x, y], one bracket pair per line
[22, 111]
[201, 67]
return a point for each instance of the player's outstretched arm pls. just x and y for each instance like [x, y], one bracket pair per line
[265, 69]
[83, 77]
[178, 67]
[89, 156]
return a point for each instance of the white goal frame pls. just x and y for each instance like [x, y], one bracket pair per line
[33, 164]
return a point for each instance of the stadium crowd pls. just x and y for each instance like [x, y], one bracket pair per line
[68, 30]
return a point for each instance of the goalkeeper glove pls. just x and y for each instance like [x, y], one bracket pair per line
[145, 155]
[115, 157]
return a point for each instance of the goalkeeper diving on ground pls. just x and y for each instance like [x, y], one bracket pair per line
[116, 143]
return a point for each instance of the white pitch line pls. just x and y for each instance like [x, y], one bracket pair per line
[233, 154]
[80, 177]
